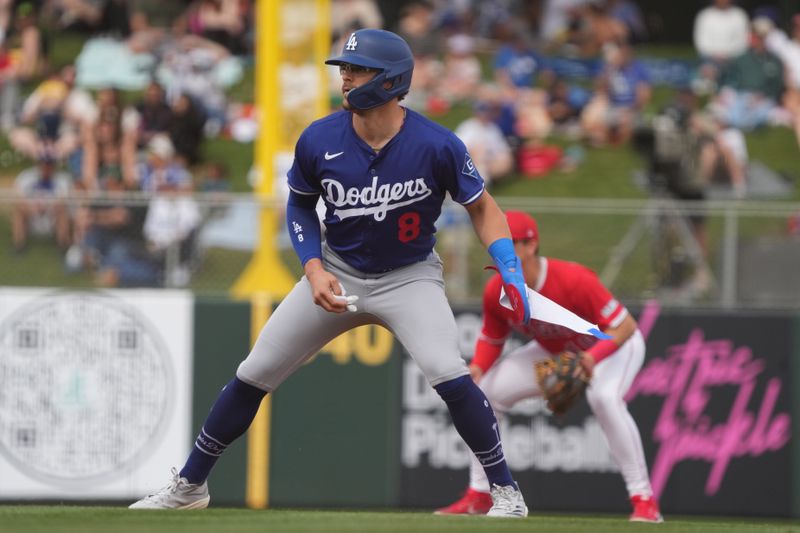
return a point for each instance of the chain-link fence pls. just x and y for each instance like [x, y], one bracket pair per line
[684, 253]
[709, 253]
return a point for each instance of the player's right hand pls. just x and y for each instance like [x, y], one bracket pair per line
[326, 290]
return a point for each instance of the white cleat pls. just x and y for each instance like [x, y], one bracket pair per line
[178, 494]
[508, 502]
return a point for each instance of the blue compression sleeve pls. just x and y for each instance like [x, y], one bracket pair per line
[302, 223]
[502, 251]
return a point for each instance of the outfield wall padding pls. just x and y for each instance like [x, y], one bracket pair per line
[359, 426]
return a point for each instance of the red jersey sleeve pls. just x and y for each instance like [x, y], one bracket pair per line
[495, 329]
[597, 303]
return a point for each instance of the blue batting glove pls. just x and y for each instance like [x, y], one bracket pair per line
[510, 268]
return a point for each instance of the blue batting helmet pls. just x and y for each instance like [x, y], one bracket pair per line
[382, 50]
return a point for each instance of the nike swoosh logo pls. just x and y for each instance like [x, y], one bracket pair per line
[328, 156]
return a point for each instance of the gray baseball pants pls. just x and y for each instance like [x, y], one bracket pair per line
[409, 301]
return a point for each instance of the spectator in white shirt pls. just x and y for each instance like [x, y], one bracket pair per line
[485, 142]
[787, 48]
[721, 33]
[461, 72]
[41, 207]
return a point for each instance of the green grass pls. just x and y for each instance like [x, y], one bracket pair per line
[220, 269]
[42, 264]
[244, 91]
[11, 163]
[778, 149]
[605, 173]
[666, 51]
[57, 519]
[237, 157]
[65, 47]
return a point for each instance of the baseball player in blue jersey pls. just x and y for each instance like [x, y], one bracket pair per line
[382, 171]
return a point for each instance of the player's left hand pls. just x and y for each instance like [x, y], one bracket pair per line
[561, 381]
[510, 268]
[517, 290]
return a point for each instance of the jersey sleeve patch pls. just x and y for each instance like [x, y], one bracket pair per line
[619, 318]
[469, 168]
[609, 308]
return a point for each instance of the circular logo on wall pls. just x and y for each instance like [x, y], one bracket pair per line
[85, 386]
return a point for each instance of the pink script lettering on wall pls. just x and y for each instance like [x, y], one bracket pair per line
[686, 377]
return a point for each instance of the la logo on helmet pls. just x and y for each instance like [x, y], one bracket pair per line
[351, 42]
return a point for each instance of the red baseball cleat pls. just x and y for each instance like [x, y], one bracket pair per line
[645, 509]
[472, 502]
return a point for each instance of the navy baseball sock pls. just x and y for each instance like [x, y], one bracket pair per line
[229, 418]
[475, 422]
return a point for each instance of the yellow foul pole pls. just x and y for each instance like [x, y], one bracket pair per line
[258, 436]
[266, 272]
[266, 277]
[322, 45]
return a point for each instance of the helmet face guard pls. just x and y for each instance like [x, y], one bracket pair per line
[383, 51]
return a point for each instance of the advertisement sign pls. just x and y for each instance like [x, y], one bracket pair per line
[335, 425]
[95, 401]
[539, 449]
[711, 403]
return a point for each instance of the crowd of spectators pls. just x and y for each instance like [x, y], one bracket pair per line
[539, 76]
[570, 69]
[746, 75]
[534, 77]
[496, 58]
[92, 139]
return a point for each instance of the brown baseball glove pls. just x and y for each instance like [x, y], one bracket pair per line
[562, 380]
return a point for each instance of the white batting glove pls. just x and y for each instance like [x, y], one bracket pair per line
[349, 300]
